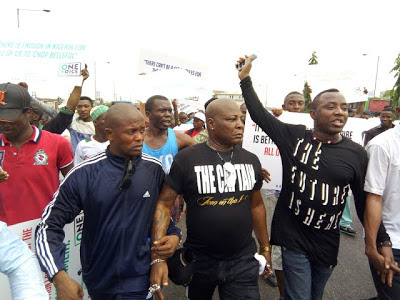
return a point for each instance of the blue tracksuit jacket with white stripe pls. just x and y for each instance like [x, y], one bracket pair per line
[115, 252]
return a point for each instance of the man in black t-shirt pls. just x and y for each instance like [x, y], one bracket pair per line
[319, 168]
[387, 117]
[220, 182]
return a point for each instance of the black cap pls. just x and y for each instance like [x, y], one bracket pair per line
[13, 100]
[180, 268]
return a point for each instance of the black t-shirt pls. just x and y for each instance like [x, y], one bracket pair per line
[316, 180]
[373, 132]
[219, 220]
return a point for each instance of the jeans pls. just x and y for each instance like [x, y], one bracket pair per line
[384, 291]
[236, 279]
[303, 280]
[124, 296]
[346, 218]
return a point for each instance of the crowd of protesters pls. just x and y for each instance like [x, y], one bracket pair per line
[132, 180]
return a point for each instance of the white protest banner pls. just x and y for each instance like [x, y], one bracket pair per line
[153, 61]
[69, 69]
[259, 143]
[72, 240]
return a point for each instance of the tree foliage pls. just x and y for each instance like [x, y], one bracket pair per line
[307, 96]
[314, 59]
[395, 92]
[386, 95]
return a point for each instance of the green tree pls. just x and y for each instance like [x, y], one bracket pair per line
[395, 92]
[314, 59]
[307, 96]
[386, 95]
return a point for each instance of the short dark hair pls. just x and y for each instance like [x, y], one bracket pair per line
[150, 102]
[292, 93]
[388, 108]
[87, 99]
[314, 103]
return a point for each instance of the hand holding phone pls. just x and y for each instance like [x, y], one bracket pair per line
[240, 65]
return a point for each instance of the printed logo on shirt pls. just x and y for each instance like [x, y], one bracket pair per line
[316, 203]
[146, 195]
[41, 158]
[216, 179]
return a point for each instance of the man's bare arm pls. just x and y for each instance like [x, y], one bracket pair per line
[184, 140]
[64, 171]
[76, 92]
[259, 216]
[372, 220]
[382, 260]
[176, 113]
[161, 220]
[162, 214]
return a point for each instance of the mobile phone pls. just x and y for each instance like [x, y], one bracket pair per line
[240, 65]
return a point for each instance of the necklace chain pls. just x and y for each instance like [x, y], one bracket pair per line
[209, 145]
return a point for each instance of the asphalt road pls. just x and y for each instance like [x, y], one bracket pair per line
[350, 280]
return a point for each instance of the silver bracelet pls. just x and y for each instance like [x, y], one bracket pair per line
[158, 260]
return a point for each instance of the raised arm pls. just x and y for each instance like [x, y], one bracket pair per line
[273, 127]
[64, 118]
[176, 113]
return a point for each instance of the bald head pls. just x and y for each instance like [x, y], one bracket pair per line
[224, 123]
[120, 113]
[124, 129]
[220, 106]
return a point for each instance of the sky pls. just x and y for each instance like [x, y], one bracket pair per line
[348, 37]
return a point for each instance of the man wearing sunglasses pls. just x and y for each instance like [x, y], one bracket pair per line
[117, 190]
[220, 182]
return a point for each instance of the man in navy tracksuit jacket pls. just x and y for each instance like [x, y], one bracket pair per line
[117, 190]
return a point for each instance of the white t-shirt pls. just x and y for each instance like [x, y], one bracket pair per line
[88, 148]
[383, 178]
[80, 126]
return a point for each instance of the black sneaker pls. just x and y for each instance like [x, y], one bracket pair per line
[348, 230]
[271, 279]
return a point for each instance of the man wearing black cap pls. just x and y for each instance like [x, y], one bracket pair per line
[29, 157]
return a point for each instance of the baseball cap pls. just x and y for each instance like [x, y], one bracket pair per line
[180, 267]
[13, 100]
[368, 112]
[97, 111]
[200, 115]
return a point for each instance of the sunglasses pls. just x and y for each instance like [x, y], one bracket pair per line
[126, 179]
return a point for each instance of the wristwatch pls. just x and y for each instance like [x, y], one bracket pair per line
[385, 244]
[265, 249]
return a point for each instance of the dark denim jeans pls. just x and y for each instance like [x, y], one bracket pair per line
[303, 281]
[386, 292]
[124, 296]
[236, 279]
